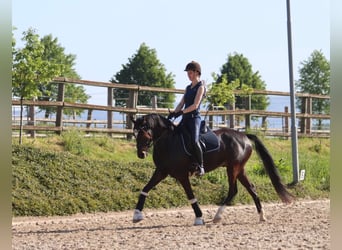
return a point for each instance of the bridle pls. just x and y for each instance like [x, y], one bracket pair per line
[147, 132]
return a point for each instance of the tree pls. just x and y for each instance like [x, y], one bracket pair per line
[54, 52]
[238, 69]
[314, 78]
[144, 69]
[75, 94]
[30, 70]
[222, 93]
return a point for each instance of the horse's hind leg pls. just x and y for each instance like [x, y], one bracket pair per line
[251, 190]
[232, 191]
[157, 177]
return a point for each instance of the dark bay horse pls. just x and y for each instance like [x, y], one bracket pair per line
[169, 157]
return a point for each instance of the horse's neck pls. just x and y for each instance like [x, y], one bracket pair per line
[157, 133]
[161, 128]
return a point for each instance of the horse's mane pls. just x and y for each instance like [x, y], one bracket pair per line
[155, 121]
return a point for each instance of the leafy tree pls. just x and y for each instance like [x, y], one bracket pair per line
[54, 52]
[144, 69]
[238, 69]
[75, 94]
[314, 78]
[222, 93]
[30, 70]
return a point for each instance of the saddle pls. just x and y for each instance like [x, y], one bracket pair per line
[208, 140]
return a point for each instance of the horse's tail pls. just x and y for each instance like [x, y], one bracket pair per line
[271, 169]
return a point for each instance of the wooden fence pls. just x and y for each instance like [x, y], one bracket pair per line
[59, 124]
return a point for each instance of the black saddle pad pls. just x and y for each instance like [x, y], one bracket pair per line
[208, 140]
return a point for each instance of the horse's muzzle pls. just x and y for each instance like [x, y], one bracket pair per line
[142, 154]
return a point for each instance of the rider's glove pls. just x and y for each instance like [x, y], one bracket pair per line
[174, 114]
[171, 115]
[179, 113]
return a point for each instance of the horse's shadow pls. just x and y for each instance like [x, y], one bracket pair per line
[142, 227]
[209, 223]
[63, 231]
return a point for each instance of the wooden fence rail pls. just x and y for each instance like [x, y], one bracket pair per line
[132, 109]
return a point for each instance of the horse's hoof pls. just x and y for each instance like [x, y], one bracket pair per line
[262, 220]
[262, 217]
[136, 220]
[199, 221]
[137, 216]
[217, 219]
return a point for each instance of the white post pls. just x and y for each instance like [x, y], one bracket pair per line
[292, 99]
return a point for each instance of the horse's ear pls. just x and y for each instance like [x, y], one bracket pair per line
[132, 119]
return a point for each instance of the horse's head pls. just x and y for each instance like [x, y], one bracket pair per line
[147, 129]
[143, 135]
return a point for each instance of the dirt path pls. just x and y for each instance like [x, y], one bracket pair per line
[302, 225]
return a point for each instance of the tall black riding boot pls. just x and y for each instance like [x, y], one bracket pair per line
[199, 157]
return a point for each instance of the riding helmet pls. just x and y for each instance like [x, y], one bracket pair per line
[194, 66]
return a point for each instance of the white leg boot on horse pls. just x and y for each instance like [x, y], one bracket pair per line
[199, 221]
[262, 217]
[218, 214]
[137, 216]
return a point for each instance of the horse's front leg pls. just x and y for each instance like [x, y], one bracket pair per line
[157, 177]
[193, 201]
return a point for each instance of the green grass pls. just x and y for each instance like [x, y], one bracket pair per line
[72, 173]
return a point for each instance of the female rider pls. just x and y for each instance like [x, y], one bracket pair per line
[191, 101]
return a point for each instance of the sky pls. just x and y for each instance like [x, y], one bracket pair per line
[104, 34]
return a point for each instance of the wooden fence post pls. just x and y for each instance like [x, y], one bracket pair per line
[286, 126]
[302, 120]
[248, 107]
[89, 118]
[211, 121]
[305, 122]
[308, 120]
[109, 112]
[132, 103]
[154, 102]
[231, 117]
[59, 114]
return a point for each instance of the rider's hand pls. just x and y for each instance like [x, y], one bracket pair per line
[171, 115]
[179, 113]
[174, 114]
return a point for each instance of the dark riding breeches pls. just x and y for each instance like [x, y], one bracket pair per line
[192, 125]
